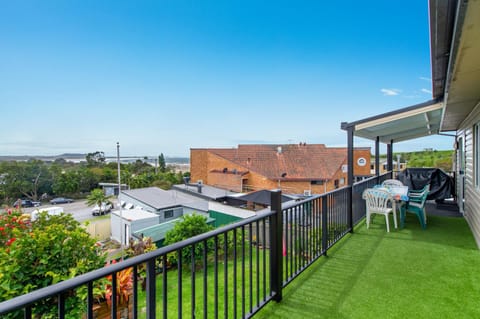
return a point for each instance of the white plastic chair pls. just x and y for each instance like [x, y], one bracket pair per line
[379, 201]
[391, 182]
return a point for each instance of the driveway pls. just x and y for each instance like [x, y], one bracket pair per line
[78, 209]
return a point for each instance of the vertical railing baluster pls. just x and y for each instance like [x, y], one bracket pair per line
[61, 305]
[205, 273]
[215, 277]
[264, 235]
[114, 296]
[164, 286]
[300, 237]
[312, 231]
[304, 236]
[151, 289]
[243, 271]
[135, 292]
[257, 259]
[295, 240]
[90, 300]
[193, 278]
[179, 282]
[292, 243]
[225, 275]
[286, 243]
[250, 266]
[324, 225]
[315, 225]
[27, 314]
[235, 273]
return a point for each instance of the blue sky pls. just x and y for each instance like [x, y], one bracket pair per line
[167, 76]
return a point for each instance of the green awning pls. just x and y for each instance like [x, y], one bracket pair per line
[158, 232]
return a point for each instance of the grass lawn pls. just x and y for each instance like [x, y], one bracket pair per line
[407, 273]
[95, 218]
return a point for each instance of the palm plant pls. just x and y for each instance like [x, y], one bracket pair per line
[97, 197]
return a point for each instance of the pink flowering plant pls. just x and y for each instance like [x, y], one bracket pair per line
[12, 225]
[36, 254]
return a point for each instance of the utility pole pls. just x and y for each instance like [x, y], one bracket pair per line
[118, 199]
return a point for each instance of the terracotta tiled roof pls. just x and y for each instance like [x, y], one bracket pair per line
[298, 161]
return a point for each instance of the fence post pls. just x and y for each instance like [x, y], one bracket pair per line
[324, 225]
[276, 242]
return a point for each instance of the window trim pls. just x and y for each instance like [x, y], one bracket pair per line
[170, 213]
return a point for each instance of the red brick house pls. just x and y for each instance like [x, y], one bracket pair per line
[294, 168]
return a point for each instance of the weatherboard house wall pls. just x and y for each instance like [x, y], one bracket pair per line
[293, 168]
[471, 192]
[126, 222]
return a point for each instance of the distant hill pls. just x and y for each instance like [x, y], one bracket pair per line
[178, 160]
[41, 157]
[79, 157]
[428, 158]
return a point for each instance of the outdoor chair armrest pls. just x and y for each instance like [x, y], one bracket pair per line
[415, 196]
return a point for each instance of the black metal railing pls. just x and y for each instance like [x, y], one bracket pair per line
[230, 272]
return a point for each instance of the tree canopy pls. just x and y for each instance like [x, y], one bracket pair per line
[36, 179]
[189, 226]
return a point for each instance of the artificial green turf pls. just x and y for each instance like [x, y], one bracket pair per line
[407, 273]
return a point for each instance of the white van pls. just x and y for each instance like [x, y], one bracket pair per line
[55, 210]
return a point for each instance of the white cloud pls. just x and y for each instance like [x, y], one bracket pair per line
[425, 79]
[426, 91]
[390, 92]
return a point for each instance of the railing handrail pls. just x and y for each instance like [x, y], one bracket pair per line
[45, 292]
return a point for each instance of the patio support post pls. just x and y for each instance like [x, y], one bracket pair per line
[350, 177]
[377, 156]
[389, 156]
[276, 243]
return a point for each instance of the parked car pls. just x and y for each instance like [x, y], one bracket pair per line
[106, 207]
[55, 210]
[26, 203]
[61, 200]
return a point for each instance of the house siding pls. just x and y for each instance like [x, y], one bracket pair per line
[471, 191]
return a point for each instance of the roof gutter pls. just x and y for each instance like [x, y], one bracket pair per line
[460, 12]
